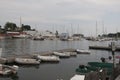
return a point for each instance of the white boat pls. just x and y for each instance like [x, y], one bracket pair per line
[78, 77]
[8, 70]
[83, 51]
[71, 53]
[48, 58]
[26, 61]
[61, 54]
[20, 36]
[38, 38]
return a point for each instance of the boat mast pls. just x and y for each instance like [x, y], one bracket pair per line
[103, 27]
[71, 29]
[78, 29]
[20, 22]
[116, 34]
[96, 29]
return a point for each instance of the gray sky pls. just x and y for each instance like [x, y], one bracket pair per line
[64, 15]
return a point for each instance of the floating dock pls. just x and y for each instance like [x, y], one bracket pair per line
[103, 48]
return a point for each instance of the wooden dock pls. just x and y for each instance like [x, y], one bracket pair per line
[103, 48]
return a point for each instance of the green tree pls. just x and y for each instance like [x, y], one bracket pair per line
[56, 33]
[25, 27]
[9, 26]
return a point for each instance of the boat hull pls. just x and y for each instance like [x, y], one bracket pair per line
[27, 61]
[48, 58]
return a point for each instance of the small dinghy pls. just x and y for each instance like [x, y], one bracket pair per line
[81, 51]
[61, 55]
[7, 70]
[48, 58]
[26, 61]
[71, 53]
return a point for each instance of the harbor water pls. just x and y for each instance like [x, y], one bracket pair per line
[63, 70]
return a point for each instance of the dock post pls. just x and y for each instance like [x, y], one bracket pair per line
[113, 54]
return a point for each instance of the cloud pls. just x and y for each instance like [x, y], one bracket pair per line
[60, 11]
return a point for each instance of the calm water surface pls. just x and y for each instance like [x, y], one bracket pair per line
[65, 69]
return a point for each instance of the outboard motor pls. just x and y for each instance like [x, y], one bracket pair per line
[81, 66]
[102, 59]
[109, 57]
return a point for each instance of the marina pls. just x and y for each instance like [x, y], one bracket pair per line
[59, 40]
[58, 70]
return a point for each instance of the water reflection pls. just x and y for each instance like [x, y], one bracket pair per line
[29, 66]
[50, 71]
[14, 77]
[11, 77]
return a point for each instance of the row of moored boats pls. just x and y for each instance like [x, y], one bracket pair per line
[55, 57]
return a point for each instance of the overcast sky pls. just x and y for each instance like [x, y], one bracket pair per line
[64, 15]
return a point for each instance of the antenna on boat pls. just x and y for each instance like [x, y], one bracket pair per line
[0, 52]
[103, 27]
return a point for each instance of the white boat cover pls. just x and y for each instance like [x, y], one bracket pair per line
[78, 77]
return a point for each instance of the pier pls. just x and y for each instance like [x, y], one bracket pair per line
[103, 48]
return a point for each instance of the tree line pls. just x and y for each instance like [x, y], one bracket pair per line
[110, 35]
[10, 26]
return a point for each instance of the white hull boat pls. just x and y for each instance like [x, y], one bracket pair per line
[8, 70]
[64, 55]
[81, 51]
[20, 36]
[26, 61]
[71, 53]
[48, 58]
